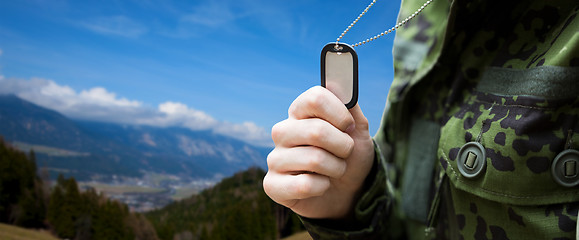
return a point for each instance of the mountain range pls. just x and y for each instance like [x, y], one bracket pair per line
[99, 150]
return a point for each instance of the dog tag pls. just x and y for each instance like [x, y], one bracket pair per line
[339, 68]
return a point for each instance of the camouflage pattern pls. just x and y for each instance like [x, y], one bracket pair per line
[505, 73]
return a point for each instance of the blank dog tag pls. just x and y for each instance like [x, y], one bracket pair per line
[339, 67]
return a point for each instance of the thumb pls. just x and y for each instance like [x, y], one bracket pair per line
[361, 122]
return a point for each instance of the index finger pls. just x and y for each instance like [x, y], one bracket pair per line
[319, 102]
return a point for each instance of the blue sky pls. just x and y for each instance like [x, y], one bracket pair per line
[232, 66]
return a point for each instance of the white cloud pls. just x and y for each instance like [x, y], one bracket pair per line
[247, 131]
[115, 25]
[99, 95]
[54, 90]
[99, 104]
[179, 114]
[92, 104]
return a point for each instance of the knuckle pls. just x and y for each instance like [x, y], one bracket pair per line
[303, 188]
[291, 111]
[341, 170]
[349, 145]
[316, 132]
[272, 159]
[311, 99]
[277, 131]
[268, 185]
[345, 121]
[315, 99]
[315, 90]
[315, 160]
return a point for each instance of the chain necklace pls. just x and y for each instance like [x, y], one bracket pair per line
[339, 61]
[385, 32]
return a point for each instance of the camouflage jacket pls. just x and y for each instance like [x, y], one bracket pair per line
[480, 134]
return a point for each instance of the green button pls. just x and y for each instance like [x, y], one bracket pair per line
[564, 168]
[471, 160]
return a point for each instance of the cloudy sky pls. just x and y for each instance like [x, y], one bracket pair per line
[232, 66]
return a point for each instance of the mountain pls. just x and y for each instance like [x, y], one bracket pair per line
[97, 150]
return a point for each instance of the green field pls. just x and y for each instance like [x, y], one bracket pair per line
[9, 232]
[183, 193]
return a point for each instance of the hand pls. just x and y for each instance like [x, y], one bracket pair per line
[322, 155]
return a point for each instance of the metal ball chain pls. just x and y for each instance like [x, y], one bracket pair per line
[385, 32]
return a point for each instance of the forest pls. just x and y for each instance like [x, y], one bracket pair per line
[236, 208]
[29, 201]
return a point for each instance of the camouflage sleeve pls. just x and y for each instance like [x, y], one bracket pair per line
[371, 211]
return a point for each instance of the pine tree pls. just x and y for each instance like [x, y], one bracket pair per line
[21, 195]
[141, 227]
[65, 207]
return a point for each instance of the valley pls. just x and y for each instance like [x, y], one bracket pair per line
[152, 191]
[145, 167]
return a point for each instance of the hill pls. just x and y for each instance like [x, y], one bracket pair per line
[236, 208]
[27, 201]
[101, 151]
